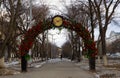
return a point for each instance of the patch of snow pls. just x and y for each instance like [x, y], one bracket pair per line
[65, 59]
[77, 64]
[11, 63]
[57, 60]
[16, 73]
[43, 63]
[39, 65]
[97, 75]
[54, 60]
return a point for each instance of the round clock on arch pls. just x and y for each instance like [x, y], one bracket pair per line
[57, 21]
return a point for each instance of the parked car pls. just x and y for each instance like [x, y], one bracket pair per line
[114, 55]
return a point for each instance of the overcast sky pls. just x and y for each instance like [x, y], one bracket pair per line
[60, 39]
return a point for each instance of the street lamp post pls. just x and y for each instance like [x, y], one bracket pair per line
[30, 10]
[51, 48]
[47, 45]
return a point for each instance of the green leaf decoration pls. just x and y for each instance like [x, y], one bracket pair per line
[52, 25]
[60, 28]
[87, 56]
[72, 21]
[27, 57]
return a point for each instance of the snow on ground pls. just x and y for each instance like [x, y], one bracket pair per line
[101, 69]
[54, 60]
[11, 63]
[57, 60]
[40, 64]
[37, 64]
[65, 59]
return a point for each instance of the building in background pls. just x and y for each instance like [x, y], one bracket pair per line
[113, 36]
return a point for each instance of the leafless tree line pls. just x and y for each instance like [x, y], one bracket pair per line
[92, 14]
[15, 20]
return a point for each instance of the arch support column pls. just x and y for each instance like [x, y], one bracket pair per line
[23, 64]
[92, 63]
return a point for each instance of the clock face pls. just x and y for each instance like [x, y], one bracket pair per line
[57, 21]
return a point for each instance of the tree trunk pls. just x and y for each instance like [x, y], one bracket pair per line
[2, 64]
[99, 50]
[104, 49]
[105, 61]
[73, 55]
[79, 51]
[99, 61]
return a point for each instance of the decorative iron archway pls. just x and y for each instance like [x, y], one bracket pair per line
[57, 21]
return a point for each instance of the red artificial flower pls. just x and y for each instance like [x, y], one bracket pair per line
[66, 23]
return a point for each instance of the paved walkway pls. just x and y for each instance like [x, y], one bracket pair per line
[60, 69]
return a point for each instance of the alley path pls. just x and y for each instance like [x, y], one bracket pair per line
[62, 69]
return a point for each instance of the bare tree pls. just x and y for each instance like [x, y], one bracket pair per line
[67, 50]
[104, 11]
[12, 8]
[40, 12]
[76, 12]
[16, 22]
[114, 46]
